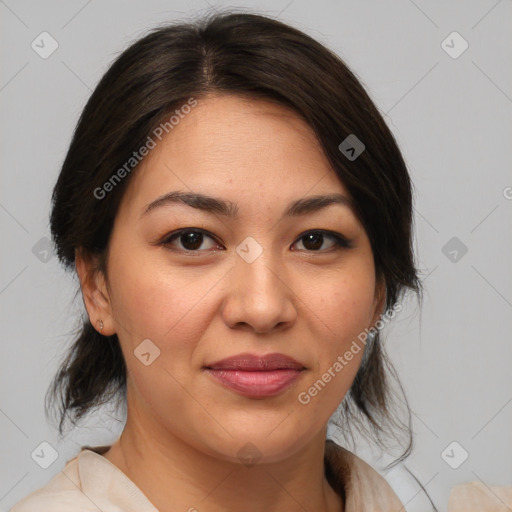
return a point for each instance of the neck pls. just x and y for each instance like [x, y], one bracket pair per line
[174, 475]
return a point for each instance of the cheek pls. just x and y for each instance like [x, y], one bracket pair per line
[340, 309]
[345, 304]
[340, 312]
[170, 306]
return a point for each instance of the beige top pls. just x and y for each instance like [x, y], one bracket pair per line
[476, 496]
[90, 482]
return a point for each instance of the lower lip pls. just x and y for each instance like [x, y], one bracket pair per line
[256, 384]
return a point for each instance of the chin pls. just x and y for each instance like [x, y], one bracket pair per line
[267, 445]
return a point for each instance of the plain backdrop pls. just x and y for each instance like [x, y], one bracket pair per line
[448, 106]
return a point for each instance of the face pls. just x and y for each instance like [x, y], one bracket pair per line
[204, 285]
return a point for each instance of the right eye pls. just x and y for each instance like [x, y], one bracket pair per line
[191, 239]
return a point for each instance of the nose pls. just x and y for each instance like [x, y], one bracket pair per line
[259, 296]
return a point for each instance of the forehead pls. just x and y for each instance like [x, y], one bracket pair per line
[236, 147]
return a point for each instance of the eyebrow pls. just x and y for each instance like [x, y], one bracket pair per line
[229, 209]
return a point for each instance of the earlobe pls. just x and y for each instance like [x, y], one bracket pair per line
[94, 292]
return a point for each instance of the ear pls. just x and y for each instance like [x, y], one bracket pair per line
[94, 292]
[379, 302]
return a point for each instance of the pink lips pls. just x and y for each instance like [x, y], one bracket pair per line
[256, 376]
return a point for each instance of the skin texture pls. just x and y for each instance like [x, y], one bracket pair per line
[184, 428]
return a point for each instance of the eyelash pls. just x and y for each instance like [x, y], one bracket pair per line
[340, 242]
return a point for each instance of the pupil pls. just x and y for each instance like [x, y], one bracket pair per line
[315, 238]
[191, 240]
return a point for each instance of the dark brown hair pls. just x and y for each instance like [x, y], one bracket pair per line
[256, 57]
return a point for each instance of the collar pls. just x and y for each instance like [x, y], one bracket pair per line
[107, 486]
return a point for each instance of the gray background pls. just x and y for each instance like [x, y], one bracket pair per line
[452, 119]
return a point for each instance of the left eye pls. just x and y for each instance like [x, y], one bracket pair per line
[315, 239]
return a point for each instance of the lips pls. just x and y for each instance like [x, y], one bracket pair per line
[253, 362]
[256, 376]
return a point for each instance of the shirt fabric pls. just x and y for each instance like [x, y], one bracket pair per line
[479, 497]
[89, 482]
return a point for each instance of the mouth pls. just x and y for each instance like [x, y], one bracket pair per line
[256, 376]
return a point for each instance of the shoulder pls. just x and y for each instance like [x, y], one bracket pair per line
[364, 488]
[61, 494]
[88, 483]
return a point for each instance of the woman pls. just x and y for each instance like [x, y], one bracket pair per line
[239, 216]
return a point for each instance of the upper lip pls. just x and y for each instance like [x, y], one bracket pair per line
[254, 362]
